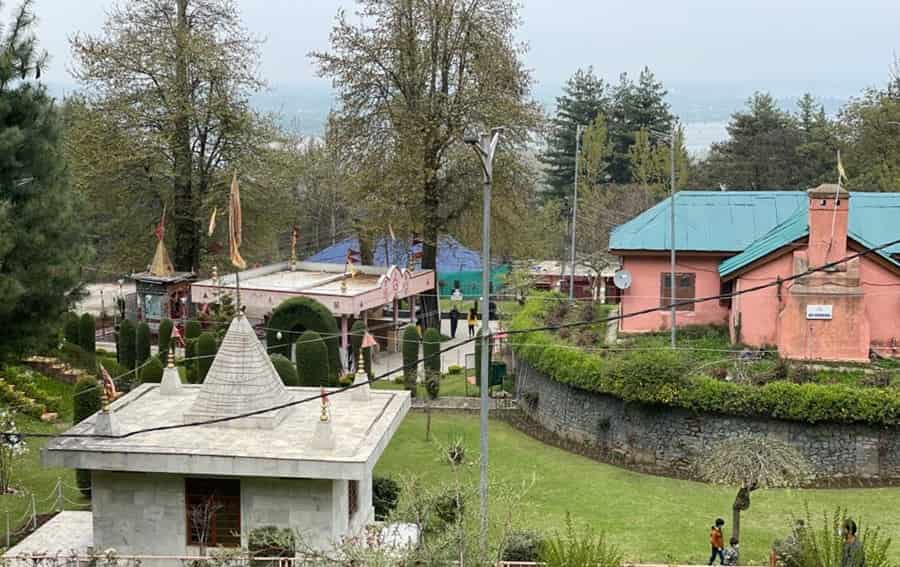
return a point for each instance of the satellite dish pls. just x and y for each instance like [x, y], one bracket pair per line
[622, 279]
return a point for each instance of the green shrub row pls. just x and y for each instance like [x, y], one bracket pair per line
[663, 377]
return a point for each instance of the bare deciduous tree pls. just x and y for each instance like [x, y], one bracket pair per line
[752, 462]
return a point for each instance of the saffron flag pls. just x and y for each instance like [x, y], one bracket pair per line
[842, 175]
[109, 387]
[161, 227]
[212, 222]
[234, 225]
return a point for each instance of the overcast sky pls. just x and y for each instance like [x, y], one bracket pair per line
[827, 42]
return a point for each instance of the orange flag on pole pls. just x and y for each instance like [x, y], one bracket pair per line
[234, 225]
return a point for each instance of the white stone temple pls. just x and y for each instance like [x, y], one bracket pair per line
[303, 467]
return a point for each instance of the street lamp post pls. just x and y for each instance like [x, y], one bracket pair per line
[485, 145]
[672, 235]
[578, 130]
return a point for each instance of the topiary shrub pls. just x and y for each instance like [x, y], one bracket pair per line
[385, 495]
[303, 314]
[71, 324]
[85, 403]
[206, 352]
[192, 332]
[431, 348]
[165, 337]
[87, 333]
[312, 361]
[522, 546]
[127, 345]
[286, 369]
[142, 342]
[153, 371]
[357, 333]
[410, 356]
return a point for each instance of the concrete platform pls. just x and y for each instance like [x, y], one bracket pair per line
[66, 533]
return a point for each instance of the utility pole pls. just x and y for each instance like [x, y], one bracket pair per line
[672, 235]
[578, 130]
[485, 145]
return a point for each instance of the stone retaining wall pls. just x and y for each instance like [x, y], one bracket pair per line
[668, 441]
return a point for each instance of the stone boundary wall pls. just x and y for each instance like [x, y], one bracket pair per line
[668, 441]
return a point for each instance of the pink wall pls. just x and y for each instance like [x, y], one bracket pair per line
[882, 289]
[645, 288]
[754, 315]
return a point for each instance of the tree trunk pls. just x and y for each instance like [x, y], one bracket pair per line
[431, 231]
[741, 502]
[366, 251]
[736, 523]
[186, 232]
[427, 419]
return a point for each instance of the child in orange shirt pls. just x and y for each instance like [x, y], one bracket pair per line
[717, 542]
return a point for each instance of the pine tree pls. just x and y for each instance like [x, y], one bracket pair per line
[312, 361]
[584, 97]
[42, 239]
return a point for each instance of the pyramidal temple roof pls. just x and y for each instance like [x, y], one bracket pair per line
[241, 379]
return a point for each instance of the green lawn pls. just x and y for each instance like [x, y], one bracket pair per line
[653, 519]
[451, 385]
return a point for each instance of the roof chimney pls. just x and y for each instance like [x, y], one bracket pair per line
[829, 205]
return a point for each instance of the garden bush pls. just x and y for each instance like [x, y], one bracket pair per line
[153, 371]
[449, 507]
[77, 357]
[312, 361]
[192, 332]
[385, 495]
[286, 369]
[574, 548]
[165, 337]
[300, 314]
[206, 353]
[820, 543]
[271, 541]
[661, 377]
[410, 356]
[87, 333]
[142, 344]
[523, 546]
[27, 388]
[126, 348]
[85, 403]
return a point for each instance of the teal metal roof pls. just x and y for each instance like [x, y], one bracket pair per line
[874, 220]
[708, 221]
[791, 230]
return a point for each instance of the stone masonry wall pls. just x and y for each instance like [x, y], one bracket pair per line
[665, 440]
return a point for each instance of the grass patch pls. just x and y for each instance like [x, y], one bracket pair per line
[653, 519]
[451, 385]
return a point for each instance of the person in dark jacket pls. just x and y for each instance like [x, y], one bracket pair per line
[454, 321]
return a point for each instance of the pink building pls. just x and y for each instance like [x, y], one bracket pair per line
[729, 240]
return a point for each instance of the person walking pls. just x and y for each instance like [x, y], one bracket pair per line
[717, 542]
[454, 321]
[853, 554]
[473, 317]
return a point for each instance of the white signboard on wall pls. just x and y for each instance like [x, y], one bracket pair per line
[818, 311]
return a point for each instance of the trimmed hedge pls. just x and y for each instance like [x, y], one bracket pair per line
[142, 340]
[661, 377]
[165, 338]
[304, 314]
[71, 329]
[312, 361]
[206, 353]
[126, 345]
[85, 403]
[286, 369]
[431, 347]
[410, 356]
[152, 373]
[87, 333]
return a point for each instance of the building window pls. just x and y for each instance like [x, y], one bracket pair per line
[213, 508]
[725, 290]
[352, 498]
[684, 290]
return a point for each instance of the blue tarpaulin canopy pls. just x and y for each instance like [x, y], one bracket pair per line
[451, 255]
